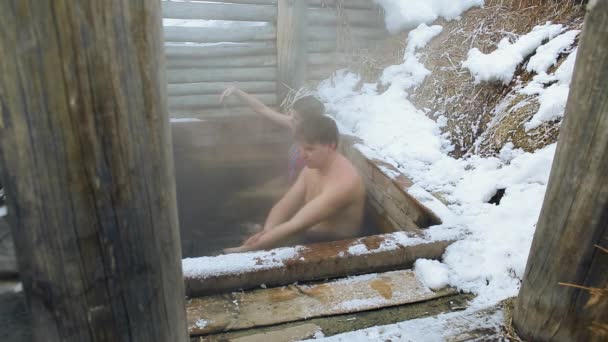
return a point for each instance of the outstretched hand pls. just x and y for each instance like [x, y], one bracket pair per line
[229, 91]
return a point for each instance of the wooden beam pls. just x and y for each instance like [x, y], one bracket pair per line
[87, 167]
[357, 4]
[323, 16]
[291, 45]
[219, 34]
[376, 253]
[357, 33]
[218, 11]
[321, 72]
[242, 310]
[197, 102]
[320, 59]
[218, 87]
[574, 217]
[225, 50]
[221, 75]
[215, 62]
[211, 113]
[321, 46]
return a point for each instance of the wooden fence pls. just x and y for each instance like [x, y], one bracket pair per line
[276, 45]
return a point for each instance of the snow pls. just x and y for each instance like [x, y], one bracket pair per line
[201, 323]
[407, 14]
[546, 55]
[493, 240]
[3, 211]
[552, 99]
[500, 64]
[183, 120]
[431, 273]
[205, 267]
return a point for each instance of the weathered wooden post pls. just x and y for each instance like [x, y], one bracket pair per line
[574, 217]
[86, 161]
[292, 41]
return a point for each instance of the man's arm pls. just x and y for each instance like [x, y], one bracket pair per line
[288, 205]
[258, 106]
[314, 212]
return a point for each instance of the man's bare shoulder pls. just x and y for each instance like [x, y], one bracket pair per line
[347, 175]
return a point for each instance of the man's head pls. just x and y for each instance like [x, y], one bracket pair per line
[317, 138]
[306, 107]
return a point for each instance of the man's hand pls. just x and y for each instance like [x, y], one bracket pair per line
[229, 91]
[239, 249]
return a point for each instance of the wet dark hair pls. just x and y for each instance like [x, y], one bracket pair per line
[308, 106]
[319, 129]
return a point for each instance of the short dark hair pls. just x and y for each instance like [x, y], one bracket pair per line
[317, 130]
[308, 106]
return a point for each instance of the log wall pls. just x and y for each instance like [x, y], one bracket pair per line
[202, 61]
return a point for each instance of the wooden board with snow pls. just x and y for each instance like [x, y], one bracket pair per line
[241, 310]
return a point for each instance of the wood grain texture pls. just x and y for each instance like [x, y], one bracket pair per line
[292, 40]
[221, 75]
[224, 50]
[87, 166]
[574, 216]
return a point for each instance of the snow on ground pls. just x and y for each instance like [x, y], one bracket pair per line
[407, 14]
[432, 273]
[2, 211]
[494, 240]
[552, 98]
[454, 325]
[500, 64]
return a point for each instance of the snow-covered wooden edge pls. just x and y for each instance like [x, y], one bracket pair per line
[281, 266]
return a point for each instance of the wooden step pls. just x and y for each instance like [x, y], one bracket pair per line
[376, 253]
[264, 307]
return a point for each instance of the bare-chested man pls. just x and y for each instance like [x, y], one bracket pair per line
[325, 203]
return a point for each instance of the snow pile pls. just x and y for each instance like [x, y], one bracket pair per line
[500, 64]
[205, 267]
[407, 14]
[431, 273]
[389, 242]
[494, 240]
[3, 211]
[553, 98]
[546, 55]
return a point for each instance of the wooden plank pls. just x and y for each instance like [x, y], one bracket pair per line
[89, 170]
[218, 87]
[247, 2]
[376, 253]
[218, 11]
[197, 102]
[323, 16]
[321, 72]
[574, 217]
[219, 34]
[221, 75]
[225, 50]
[292, 41]
[210, 113]
[321, 46]
[357, 4]
[297, 333]
[214, 62]
[356, 33]
[241, 310]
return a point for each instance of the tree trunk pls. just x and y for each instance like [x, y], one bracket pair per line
[574, 217]
[87, 165]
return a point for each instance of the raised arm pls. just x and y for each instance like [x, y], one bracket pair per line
[258, 106]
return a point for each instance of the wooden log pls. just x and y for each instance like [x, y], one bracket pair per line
[87, 167]
[328, 59]
[292, 41]
[356, 33]
[218, 11]
[219, 34]
[221, 75]
[212, 113]
[225, 50]
[197, 102]
[321, 46]
[214, 62]
[378, 253]
[574, 217]
[357, 4]
[321, 72]
[323, 16]
[242, 310]
[219, 87]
